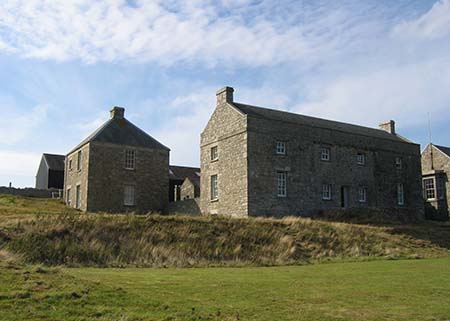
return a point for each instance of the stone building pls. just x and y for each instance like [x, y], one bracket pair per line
[263, 162]
[50, 173]
[177, 177]
[118, 168]
[436, 186]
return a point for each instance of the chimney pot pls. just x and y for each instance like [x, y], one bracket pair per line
[388, 126]
[225, 95]
[117, 112]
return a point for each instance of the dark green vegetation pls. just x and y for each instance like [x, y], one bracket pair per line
[74, 239]
[377, 290]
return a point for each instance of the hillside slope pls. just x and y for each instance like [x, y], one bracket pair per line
[77, 239]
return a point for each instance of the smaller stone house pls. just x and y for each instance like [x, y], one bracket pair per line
[118, 168]
[190, 188]
[50, 173]
[177, 177]
[436, 186]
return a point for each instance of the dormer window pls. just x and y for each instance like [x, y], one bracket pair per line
[325, 154]
[281, 148]
[214, 153]
[130, 159]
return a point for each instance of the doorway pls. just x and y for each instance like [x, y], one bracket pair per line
[345, 194]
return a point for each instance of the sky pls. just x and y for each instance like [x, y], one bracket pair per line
[65, 63]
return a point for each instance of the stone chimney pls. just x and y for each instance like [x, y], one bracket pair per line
[224, 95]
[388, 126]
[117, 112]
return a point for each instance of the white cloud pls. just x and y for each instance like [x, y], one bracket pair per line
[18, 167]
[432, 25]
[16, 125]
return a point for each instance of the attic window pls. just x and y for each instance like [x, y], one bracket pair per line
[130, 158]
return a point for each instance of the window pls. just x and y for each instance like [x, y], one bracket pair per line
[128, 195]
[70, 164]
[326, 191]
[325, 154]
[362, 194]
[78, 197]
[68, 197]
[79, 161]
[214, 153]
[214, 188]
[281, 184]
[361, 159]
[440, 187]
[429, 189]
[281, 148]
[398, 163]
[400, 194]
[130, 158]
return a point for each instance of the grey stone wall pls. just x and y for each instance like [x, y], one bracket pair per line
[440, 162]
[30, 192]
[74, 177]
[185, 207]
[226, 129]
[306, 172]
[188, 190]
[108, 177]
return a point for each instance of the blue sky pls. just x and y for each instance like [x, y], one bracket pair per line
[64, 64]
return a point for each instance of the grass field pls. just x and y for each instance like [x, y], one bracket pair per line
[50, 258]
[377, 290]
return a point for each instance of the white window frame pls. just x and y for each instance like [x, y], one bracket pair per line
[79, 160]
[429, 189]
[214, 153]
[325, 154]
[130, 159]
[129, 195]
[214, 184]
[281, 148]
[398, 163]
[362, 194]
[69, 196]
[400, 194]
[361, 158]
[281, 184]
[78, 196]
[326, 192]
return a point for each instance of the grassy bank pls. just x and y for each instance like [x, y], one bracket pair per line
[75, 239]
[377, 290]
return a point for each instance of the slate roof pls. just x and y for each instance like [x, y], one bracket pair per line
[183, 172]
[445, 150]
[277, 115]
[54, 162]
[120, 131]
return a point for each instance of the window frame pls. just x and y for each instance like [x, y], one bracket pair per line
[325, 154]
[362, 194]
[69, 164]
[398, 163]
[69, 196]
[400, 194]
[130, 159]
[214, 153]
[214, 187]
[327, 193]
[78, 196]
[280, 148]
[282, 177]
[129, 195]
[432, 189]
[79, 160]
[361, 158]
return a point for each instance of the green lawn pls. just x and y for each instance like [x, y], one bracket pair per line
[376, 290]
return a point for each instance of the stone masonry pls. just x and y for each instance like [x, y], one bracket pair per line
[248, 165]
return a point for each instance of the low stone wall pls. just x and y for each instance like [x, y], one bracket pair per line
[189, 206]
[30, 192]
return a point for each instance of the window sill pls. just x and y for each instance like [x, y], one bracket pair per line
[129, 205]
[327, 199]
[130, 169]
[214, 160]
[214, 200]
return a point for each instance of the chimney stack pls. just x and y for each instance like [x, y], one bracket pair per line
[224, 95]
[388, 126]
[117, 112]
